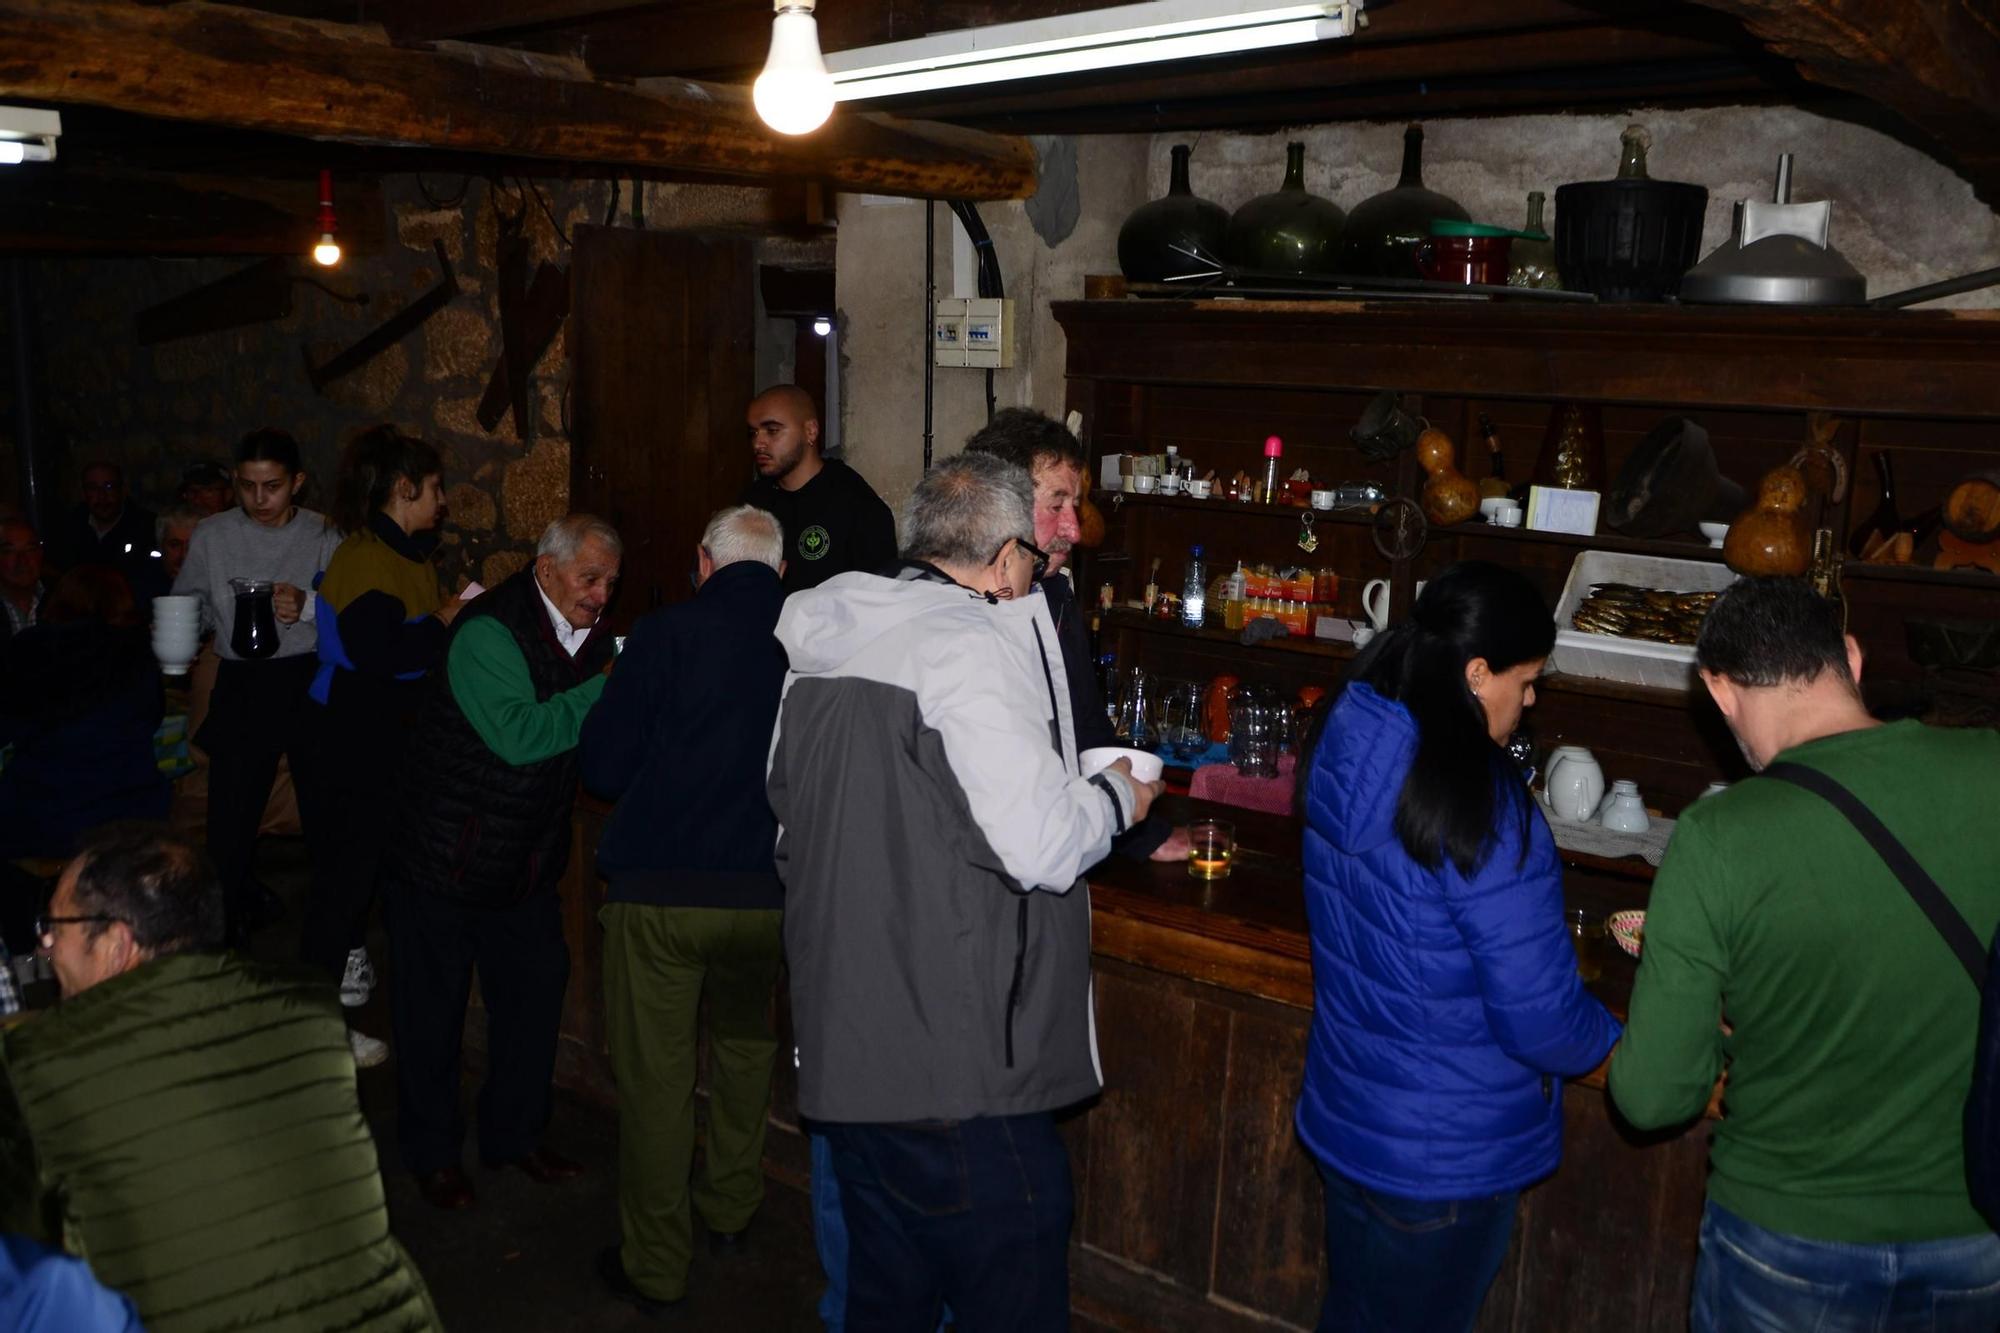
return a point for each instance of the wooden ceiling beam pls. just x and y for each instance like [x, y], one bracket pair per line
[731, 37]
[442, 20]
[1328, 72]
[226, 65]
[100, 211]
[1933, 63]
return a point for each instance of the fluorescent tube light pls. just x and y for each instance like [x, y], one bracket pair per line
[28, 134]
[1096, 39]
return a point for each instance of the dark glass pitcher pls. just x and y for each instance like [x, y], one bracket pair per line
[256, 632]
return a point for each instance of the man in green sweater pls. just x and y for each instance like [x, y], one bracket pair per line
[186, 1120]
[1780, 947]
[469, 878]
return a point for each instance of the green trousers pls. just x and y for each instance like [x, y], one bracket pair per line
[660, 965]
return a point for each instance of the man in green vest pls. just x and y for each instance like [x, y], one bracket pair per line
[186, 1120]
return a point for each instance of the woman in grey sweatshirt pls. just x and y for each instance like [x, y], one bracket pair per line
[258, 713]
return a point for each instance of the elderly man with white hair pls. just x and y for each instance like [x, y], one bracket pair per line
[471, 871]
[692, 912]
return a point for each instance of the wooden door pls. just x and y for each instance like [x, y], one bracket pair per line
[660, 341]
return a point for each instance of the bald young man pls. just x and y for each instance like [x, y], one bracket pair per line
[833, 520]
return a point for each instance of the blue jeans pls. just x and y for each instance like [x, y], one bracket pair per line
[829, 1234]
[1753, 1280]
[971, 1213]
[1397, 1265]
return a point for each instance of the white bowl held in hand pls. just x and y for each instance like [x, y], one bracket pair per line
[1145, 767]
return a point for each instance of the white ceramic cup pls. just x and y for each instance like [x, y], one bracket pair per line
[1494, 505]
[1146, 766]
[1144, 484]
[1508, 518]
[1322, 499]
[1363, 635]
[1624, 810]
[1198, 489]
[1170, 483]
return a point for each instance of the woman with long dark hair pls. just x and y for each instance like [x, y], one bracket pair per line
[382, 630]
[1447, 1007]
[256, 714]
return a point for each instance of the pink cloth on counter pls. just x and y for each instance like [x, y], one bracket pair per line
[1223, 784]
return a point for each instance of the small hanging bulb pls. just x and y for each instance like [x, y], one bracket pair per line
[327, 252]
[794, 94]
[822, 326]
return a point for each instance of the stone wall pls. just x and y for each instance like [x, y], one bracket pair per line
[1899, 216]
[155, 409]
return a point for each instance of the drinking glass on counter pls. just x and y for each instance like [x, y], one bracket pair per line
[1211, 847]
[1587, 936]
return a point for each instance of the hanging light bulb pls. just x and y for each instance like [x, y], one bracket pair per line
[822, 326]
[327, 252]
[794, 94]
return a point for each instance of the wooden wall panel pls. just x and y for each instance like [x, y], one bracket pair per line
[1270, 1243]
[1155, 1137]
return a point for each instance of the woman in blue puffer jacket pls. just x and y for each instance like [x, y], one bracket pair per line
[1446, 1001]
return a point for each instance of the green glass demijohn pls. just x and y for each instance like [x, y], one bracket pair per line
[1175, 236]
[1288, 230]
[1382, 232]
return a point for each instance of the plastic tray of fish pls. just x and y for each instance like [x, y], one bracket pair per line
[1622, 582]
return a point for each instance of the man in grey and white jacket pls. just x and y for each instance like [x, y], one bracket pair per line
[934, 825]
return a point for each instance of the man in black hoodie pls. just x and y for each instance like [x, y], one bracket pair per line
[833, 520]
[680, 740]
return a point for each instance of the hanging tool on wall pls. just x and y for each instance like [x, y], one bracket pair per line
[254, 294]
[528, 324]
[392, 330]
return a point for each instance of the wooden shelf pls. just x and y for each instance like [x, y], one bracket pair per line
[1689, 549]
[1942, 578]
[1232, 508]
[1126, 618]
[1651, 695]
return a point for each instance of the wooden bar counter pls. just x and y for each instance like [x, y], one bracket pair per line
[1196, 1207]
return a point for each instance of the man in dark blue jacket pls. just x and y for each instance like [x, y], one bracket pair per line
[680, 741]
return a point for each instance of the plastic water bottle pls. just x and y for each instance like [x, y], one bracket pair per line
[1195, 591]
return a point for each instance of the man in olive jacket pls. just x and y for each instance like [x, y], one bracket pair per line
[186, 1120]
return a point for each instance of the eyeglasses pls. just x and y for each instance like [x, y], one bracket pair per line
[45, 925]
[1041, 557]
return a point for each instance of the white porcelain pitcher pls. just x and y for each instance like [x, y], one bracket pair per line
[1575, 783]
[1375, 601]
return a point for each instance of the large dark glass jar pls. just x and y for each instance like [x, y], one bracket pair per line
[1175, 236]
[1288, 230]
[1382, 233]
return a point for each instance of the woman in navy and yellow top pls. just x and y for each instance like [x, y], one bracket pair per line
[383, 629]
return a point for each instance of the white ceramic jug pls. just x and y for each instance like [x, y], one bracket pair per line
[1375, 600]
[1575, 784]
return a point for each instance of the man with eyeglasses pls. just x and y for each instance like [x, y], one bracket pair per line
[106, 528]
[187, 1118]
[21, 586]
[933, 827]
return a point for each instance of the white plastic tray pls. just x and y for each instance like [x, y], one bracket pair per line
[1630, 661]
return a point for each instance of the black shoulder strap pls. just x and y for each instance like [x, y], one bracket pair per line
[1950, 922]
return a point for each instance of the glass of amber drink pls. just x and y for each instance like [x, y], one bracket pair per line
[1211, 846]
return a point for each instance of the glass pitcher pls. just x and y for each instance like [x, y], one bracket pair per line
[256, 629]
[1255, 728]
[1181, 720]
[1135, 711]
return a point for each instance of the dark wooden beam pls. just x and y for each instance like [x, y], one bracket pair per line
[437, 20]
[1328, 73]
[707, 37]
[1934, 63]
[66, 210]
[226, 65]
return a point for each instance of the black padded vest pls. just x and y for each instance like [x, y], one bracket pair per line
[474, 828]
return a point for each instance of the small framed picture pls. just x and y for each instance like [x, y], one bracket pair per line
[1552, 509]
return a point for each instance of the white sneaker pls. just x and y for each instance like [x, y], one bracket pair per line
[358, 980]
[368, 1051]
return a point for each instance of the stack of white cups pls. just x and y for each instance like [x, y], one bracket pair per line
[176, 632]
